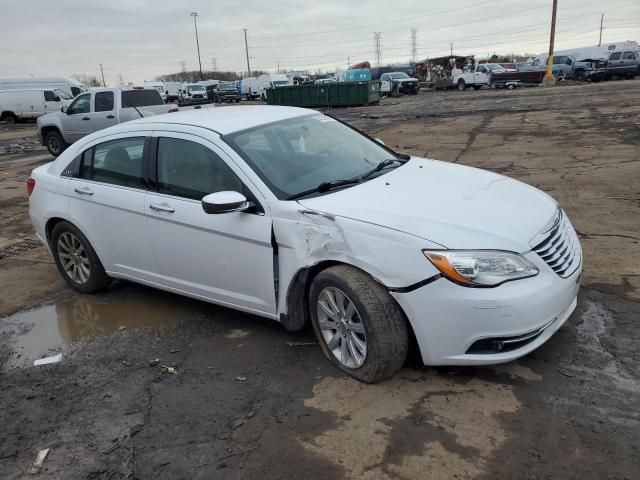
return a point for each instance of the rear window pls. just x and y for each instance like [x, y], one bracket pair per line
[141, 98]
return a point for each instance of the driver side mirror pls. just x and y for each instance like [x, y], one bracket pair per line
[225, 202]
[64, 109]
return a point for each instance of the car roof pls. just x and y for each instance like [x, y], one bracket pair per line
[225, 120]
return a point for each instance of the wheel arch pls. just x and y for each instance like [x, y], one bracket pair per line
[297, 298]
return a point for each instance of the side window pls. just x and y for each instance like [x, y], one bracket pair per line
[569, 61]
[103, 102]
[81, 104]
[628, 56]
[188, 169]
[615, 56]
[75, 91]
[49, 96]
[118, 162]
[482, 69]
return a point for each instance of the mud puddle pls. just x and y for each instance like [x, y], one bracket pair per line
[44, 331]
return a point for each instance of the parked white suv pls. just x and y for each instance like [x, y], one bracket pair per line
[291, 215]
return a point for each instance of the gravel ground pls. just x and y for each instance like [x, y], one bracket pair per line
[152, 385]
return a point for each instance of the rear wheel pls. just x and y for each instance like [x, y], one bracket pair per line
[76, 259]
[580, 76]
[462, 85]
[55, 143]
[9, 117]
[360, 327]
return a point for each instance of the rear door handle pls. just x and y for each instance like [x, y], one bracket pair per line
[84, 191]
[86, 118]
[162, 207]
[110, 116]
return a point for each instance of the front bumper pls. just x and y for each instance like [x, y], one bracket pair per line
[450, 321]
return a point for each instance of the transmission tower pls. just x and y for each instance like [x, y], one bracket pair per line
[414, 44]
[376, 38]
[214, 64]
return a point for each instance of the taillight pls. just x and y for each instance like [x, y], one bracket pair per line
[31, 184]
[172, 110]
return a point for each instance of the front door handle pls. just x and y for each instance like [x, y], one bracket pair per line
[162, 207]
[84, 191]
[110, 116]
[86, 118]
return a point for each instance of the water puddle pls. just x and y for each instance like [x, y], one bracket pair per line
[45, 330]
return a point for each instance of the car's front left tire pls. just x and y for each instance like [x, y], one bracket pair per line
[55, 143]
[76, 259]
[360, 327]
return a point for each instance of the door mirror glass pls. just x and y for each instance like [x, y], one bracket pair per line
[225, 202]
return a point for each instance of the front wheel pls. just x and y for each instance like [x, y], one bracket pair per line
[76, 259]
[55, 143]
[462, 85]
[360, 327]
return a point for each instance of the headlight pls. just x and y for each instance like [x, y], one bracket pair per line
[481, 268]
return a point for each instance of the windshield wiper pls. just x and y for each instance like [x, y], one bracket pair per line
[383, 164]
[325, 187]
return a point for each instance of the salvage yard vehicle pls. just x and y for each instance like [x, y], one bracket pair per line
[30, 103]
[68, 85]
[193, 94]
[228, 92]
[624, 64]
[294, 216]
[395, 83]
[95, 110]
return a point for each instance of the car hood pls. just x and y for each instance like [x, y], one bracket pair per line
[455, 206]
[50, 117]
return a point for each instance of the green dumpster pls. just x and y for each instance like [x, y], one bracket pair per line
[348, 94]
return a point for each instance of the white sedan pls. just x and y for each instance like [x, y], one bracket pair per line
[291, 215]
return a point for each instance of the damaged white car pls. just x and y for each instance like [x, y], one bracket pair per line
[291, 215]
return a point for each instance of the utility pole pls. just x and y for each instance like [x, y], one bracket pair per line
[246, 48]
[601, 22]
[102, 72]
[549, 79]
[414, 44]
[376, 38]
[195, 15]
[348, 62]
[451, 44]
[214, 64]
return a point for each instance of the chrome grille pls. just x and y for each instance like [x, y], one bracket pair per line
[561, 247]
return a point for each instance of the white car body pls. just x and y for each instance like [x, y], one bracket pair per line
[381, 227]
[31, 103]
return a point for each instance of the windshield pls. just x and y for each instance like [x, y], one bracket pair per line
[298, 154]
[279, 83]
[195, 88]
[398, 75]
[493, 66]
[160, 88]
[62, 94]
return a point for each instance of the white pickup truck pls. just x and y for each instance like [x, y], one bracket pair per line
[97, 109]
[478, 77]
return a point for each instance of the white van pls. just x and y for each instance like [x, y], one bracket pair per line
[68, 85]
[159, 86]
[31, 103]
[172, 91]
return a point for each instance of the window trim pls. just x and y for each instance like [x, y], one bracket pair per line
[153, 184]
[144, 175]
[113, 101]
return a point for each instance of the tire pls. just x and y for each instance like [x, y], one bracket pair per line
[580, 76]
[55, 143]
[369, 316]
[477, 87]
[10, 118]
[511, 86]
[462, 86]
[84, 271]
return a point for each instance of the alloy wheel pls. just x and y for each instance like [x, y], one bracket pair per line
[73, 258]
[341, 327]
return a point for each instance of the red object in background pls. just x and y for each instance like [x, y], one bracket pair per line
[360, 65]
[31, 184]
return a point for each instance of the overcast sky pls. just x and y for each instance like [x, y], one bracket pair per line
[141, 39]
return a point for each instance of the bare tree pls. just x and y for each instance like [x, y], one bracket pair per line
[88, 80]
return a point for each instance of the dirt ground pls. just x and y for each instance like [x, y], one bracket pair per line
[250, 400]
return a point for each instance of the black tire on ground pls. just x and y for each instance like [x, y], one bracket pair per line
[97, 278]
[385, 325]
[462, 86]
[9, 117]
[55, 143]
[580, 76]
[511, 86]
